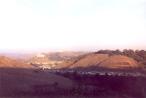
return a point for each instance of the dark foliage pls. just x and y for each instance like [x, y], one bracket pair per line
[138, 55]
[95, 85]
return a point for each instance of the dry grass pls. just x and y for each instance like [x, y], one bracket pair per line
[90, 60]
[118, 61]
[8, 62]
[104, 60]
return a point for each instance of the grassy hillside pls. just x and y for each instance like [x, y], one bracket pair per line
[9, 62]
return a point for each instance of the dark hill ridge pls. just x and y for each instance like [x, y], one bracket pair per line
[15, 81]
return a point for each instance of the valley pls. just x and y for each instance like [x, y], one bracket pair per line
[83, 75]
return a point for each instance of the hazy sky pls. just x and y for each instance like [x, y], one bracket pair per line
[72, 24]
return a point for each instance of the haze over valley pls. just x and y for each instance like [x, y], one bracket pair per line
[46, 73]
[72, 49]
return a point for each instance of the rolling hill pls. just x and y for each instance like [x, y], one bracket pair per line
[119, 61]
[104, 60]
[9, 62]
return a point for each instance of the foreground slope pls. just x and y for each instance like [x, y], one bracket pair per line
[15, 81]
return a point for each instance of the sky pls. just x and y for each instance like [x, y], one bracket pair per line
[52, 25]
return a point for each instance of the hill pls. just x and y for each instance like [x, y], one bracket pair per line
[54, 59]
[9, 62]
[66, 55]
[119, 61]
[89, 60]
[104, 60]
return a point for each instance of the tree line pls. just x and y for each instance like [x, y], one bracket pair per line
[138, 55]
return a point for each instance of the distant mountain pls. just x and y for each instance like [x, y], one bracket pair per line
[66, 55]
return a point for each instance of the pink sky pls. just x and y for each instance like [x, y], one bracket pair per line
[71, 25]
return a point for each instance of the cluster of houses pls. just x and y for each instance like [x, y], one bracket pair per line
[43, 62]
